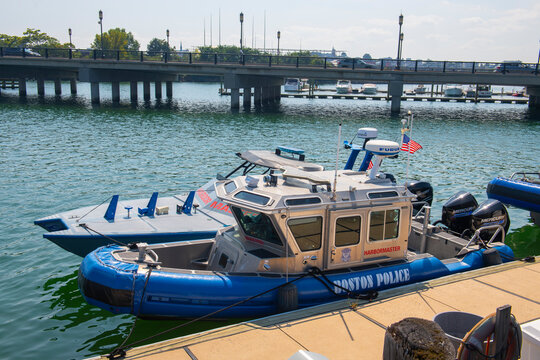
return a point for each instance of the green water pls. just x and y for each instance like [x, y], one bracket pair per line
[62, 153]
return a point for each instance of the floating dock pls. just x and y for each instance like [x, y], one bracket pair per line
[351, 329]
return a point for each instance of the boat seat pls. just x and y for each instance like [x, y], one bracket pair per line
[151, 207]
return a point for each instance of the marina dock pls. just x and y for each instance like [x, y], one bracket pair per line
[348, 329]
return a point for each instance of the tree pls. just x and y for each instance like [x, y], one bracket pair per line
[32, 38]
[116, 39]
[157, 46]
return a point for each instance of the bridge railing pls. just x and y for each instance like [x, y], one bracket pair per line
[273, 60]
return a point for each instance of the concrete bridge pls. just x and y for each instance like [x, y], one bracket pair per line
[260, 76]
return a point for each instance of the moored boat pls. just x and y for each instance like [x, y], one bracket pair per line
[300, 239]
[369, 89]
[521, 190]
[196, 215]
[453, 91]
[293, 84]
[343, 87]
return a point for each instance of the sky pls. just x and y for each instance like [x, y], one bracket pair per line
[460, 30]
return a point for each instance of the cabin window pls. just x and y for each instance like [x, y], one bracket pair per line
[347, 231]
[230, 187]
[251, 197]
[384, 225]
[257, 225]
[307, 232]
[385, 194]
[303, 201]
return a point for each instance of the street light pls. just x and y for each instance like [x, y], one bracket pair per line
[241, 28]
[400, 37]
[278, 37]
[69, 32]
[100, 22]
[400, 46]
[168, 41]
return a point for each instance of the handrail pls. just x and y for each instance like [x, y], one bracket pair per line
[269, 59]
[477, 237]
[524, 174]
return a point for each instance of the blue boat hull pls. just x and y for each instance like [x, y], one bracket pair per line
[521, 194]
[117, 287]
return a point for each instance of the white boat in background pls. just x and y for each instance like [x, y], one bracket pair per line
[344, 87]
[420, 89]
[293, 84]
[369, 89]
[453, 91]
[484, 91]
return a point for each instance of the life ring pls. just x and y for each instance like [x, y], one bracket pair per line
[476, 343]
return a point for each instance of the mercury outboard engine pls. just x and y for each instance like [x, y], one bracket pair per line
[423, 191]
[457, 212]
[490, 212]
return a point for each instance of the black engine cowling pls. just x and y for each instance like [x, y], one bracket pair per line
[457, 212]
[423, 191]
[490, 212]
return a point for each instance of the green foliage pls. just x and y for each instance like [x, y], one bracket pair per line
[32, 38]
[116, 39]
[157, 46]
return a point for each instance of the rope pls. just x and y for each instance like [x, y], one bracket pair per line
[120, 351]
[84, 226]
[95, 207]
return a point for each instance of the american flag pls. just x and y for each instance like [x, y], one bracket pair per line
[414, 146]
[370, 165]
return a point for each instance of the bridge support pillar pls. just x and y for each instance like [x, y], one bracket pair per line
[146, 90]
[41, 87]
[266, 94]
[168, 89]
[158, 89]
[235, 98]
[57, 87]
[94, 92]
[115, 87]
[22, 87]
[257, 96]
[247, 97]
[277, 93]
[133, 91]
[534, 97]
[395, 91]
[73, 86]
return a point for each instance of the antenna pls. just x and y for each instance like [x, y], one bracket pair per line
[264, 37]
[204, 32]
[219, 32]
[210, 29]
[252, 32]
[337, 159]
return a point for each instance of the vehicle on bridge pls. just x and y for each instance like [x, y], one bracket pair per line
[513, 66]
[358, 63]
[10, 51]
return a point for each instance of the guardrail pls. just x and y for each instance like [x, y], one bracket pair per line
[269, 60]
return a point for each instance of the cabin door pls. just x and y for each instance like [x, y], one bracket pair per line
[345, 245]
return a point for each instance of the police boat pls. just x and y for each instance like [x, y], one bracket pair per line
[300, 238]
[521, 190]
[196, 215]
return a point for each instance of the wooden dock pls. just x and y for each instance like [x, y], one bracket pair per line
[348, 329]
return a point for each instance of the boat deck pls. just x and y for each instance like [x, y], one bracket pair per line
[348, 329]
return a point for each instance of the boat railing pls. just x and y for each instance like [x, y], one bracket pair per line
[524, 175]
[476, 237]
[422, 211]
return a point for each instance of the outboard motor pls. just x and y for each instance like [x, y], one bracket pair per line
[457, 212]
[423, 191]
[490, 212]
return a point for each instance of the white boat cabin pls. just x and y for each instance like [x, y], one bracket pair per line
[295, 220]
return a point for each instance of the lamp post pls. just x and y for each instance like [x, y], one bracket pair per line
[400, 47]
[101, 29]
[400, 36]
[69, 32]
[241, 29]
[278, 37]
[168, 41]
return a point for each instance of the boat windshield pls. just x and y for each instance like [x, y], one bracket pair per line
[257, 225]
[343, 82]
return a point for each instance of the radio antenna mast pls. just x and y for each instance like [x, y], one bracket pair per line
[337, 159]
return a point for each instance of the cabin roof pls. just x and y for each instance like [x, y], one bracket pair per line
[316, 187]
